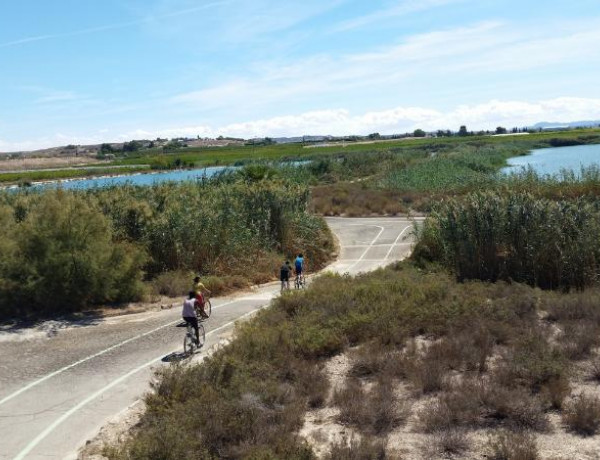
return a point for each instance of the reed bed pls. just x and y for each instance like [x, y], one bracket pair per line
[508, 235]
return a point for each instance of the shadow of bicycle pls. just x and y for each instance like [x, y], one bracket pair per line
[176, 357]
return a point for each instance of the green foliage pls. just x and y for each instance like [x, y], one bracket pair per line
[63, 251]
[60, 256]
[514, 235]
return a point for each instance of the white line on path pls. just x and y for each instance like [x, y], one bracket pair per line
[100, 353]
[39, 438]
[396, 241]
[370, 246]
[383, 245]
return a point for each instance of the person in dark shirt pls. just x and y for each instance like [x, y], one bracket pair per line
[284, 275]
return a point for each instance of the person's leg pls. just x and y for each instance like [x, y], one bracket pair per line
[194, 323]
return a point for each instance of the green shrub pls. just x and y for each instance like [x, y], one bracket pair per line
[63, 258]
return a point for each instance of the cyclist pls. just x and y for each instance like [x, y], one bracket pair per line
[199, 290]
[284, 275]
[299, 265]
[189, 313]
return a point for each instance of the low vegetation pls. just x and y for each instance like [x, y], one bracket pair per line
[494, 367]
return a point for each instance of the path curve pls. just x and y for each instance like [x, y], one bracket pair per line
[58, 389]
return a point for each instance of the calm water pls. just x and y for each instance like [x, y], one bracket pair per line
[552, 160]
[137, 179]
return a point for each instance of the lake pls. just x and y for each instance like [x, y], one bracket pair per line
[135, 179]
[552, 160]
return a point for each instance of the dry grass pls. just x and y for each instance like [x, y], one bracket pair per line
[46, 162]
[376, 411]
[356, 199]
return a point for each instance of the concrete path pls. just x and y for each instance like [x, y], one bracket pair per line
[60, 384]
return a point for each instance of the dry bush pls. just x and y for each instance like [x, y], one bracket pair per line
[460, 406]
[427, 372]
[451, 442]
[582, 415]
[595, 369]
[575, 307]
[377, 411]
[351, 401]
[464, 351]
[508, 445]
[555, 391]
[172, 284]
[478, 403]
[355, 200]
[311, 381]
[368, 360]
[476, 347]
[374, 360]
[579, 340]
[531, 362]
[363, 449]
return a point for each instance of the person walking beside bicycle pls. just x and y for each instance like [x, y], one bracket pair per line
[199, 289]
[189, 314]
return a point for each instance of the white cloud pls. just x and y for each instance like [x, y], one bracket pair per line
[397, 120]
[482, 51]
[488, 115]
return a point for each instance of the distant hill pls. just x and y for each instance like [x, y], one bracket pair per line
[570, 124]
[92, 150]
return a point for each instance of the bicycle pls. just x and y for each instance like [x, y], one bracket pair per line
[207, 308]
[300, 281]
[189, 341]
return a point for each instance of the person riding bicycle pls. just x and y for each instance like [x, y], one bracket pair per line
[299, 264]
[284, 274]
[199, 290]
[189, 313]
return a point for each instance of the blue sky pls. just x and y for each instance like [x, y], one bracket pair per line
[75, 71]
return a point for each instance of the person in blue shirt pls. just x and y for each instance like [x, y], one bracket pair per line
[299, 264]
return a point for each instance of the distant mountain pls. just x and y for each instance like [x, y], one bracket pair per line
[570, 124]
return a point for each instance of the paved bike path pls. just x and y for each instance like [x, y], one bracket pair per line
[58, 389]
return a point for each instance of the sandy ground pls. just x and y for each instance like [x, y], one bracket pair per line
[321, 428]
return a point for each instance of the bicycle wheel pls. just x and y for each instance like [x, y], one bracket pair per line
[202, 335]
[188, 342]
[207, 308]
